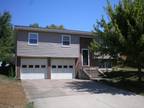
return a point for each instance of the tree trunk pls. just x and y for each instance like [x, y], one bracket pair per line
[139, 73]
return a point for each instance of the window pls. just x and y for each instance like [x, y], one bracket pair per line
[30, 66]
[43, 66]
[59, 66]
[33, 39]
[53, 66]
[36, 66]
[66, 40]
[24, 66]
[65, 66]
[70, 66]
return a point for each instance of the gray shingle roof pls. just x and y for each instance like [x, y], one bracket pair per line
[27, 28]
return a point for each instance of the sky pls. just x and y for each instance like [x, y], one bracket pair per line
[73, 14]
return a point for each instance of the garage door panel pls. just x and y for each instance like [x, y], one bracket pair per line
[62, 68]
[61, 76]
[32, 76]
[63, 61]
[33, 68]
[34, 61]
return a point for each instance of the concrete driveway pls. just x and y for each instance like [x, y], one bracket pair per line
[78, 94]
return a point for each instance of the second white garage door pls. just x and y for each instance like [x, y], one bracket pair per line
[62, 68]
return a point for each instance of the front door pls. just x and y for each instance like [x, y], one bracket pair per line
[85, 57]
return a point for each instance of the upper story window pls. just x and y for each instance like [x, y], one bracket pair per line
[33, 38]
[66, 40]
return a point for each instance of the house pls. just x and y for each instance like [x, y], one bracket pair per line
[43, 53]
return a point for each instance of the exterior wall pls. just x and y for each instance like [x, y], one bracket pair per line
[49, 45]
[85, 43]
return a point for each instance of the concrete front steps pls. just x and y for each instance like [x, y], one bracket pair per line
[93, 72]
[90, 73]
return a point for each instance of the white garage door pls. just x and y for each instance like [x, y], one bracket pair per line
[33, 68]
[62, 68]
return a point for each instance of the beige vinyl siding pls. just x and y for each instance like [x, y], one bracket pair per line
[49, 45]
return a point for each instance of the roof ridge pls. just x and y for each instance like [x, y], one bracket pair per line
[22, 27]
[48, 28]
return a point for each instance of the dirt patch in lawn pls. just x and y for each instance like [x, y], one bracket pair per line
[11, 93]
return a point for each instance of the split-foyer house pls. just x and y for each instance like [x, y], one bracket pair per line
[43, 53]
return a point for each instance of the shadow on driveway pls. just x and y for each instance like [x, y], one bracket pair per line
[56, 88]
[95, 87]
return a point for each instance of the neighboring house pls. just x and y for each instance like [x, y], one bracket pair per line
[51, 54]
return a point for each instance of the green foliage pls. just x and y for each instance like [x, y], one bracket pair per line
[123, 35]
[53, 26]
[30, 105]
[6, 37]
[126, 79]
[34, 25]
[11, 71]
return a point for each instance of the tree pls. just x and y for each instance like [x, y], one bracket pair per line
[53, 26]
[123, 35]
[6, 37]
[34, 25]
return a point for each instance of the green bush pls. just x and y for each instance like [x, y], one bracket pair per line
[30, 105]
[8, 70]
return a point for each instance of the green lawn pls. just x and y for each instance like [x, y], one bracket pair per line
[125, 79]
[30, 105]
[126, 69]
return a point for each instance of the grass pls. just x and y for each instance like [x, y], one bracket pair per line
[30, 105]
[12, 94]
[125, 69]
[125, 79]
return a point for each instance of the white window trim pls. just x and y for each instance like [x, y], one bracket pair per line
[29, 38]
[88, 57]
[69, 40]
